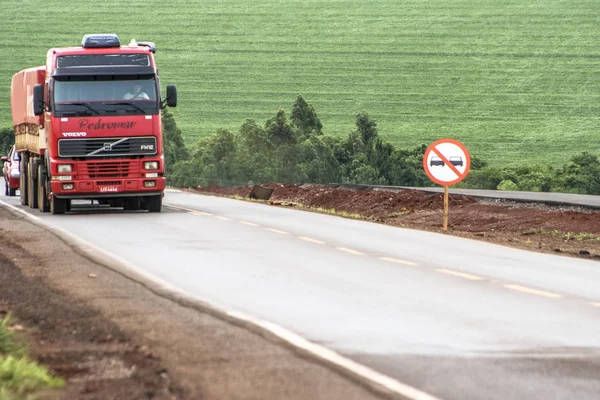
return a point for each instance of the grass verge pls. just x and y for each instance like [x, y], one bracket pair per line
[20, 378]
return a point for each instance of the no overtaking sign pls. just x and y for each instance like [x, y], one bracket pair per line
[446, 162]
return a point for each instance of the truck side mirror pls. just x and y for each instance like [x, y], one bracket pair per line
[38, 99]
[172, 96]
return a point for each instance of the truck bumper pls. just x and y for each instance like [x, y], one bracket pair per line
[96, 189]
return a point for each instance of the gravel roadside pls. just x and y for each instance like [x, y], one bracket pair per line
[112, 338]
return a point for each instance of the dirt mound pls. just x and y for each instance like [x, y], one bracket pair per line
[573, 231]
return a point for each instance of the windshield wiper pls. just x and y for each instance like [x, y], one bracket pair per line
[124, 103]
[81, 104]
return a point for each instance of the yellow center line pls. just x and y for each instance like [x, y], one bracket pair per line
[460, 274]
[222, 218]
[397, 261]
[199, 213]
[248, 223]
[358, 253]
[189, 210]
[307, 239]
[532, 291]
[277, 231]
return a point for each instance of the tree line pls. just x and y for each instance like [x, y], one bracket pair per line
[295, 149]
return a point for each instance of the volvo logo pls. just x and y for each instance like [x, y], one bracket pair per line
[107, 146]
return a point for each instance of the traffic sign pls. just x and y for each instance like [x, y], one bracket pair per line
[446, 162]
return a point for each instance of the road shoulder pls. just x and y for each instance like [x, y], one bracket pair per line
[111, 337]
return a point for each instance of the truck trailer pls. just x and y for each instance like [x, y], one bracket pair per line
[88, 126]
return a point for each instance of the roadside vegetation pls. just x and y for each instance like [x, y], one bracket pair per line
[515, 81]
[294, 148]
[7, 139]
[20, 377]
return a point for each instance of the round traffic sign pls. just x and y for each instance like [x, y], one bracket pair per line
[446, 162]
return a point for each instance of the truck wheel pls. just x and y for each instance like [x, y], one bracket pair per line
[23, 181]
[31, 186]
[12, 192]
[58, 206]
[154, 203]
[43, 203]
[131, 204]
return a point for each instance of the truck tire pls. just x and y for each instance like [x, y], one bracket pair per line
[154, 203]
[23, 180]
[31, 186]
[58, 206]
[12, 192]
[43, 203]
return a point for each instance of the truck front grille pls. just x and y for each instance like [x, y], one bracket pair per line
[110, 169]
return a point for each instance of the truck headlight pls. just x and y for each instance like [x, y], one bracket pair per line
[151, 165]
[65, 168]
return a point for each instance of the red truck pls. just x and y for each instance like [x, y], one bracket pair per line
[88, 126]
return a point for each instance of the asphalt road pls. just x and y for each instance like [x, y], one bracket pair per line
[456, 318]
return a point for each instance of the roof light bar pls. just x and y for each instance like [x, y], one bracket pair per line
[100, 40]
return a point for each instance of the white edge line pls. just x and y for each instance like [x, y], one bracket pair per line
[102, 256]
[337, 359]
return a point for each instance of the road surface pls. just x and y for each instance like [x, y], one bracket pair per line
[455, 318]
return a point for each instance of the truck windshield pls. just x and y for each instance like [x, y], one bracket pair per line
[105, 97]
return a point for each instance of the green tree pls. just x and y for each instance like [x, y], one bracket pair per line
[7, 139]
[304, 117]
[407, 168]
[187, 173]
[279, 130]
[317, 161]
[580, 175]
[485, 178]
[217, 157]
[174, 146]
[366, 127]
[256, 153]
[507, 184]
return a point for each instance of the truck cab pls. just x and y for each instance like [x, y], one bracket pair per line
[100, 132]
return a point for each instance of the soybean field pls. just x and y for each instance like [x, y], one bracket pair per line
[518, 82]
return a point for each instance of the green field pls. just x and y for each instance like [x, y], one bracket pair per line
[516, 81]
